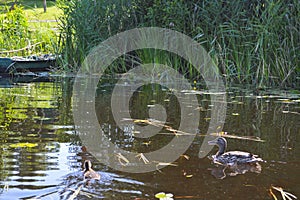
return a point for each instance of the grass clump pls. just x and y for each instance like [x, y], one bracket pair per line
[22, 33]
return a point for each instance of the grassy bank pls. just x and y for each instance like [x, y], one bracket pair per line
[252, 42]
[34, 9]
[26, 29]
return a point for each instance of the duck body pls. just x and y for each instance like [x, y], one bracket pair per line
[88, 172]
[231, 158]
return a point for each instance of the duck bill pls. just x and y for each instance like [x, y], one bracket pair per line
[212, 142]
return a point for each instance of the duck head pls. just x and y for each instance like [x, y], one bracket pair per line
[221, 143]
[89, 173]
[87, 165]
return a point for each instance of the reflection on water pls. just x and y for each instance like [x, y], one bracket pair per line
[41, 156]
[219, 171]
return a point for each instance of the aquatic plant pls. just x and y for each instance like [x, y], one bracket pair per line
[254, 43]
[87, 23]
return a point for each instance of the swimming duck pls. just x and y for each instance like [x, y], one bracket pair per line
[89, 172]
[231, 158]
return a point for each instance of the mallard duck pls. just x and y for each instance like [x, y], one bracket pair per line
[231, 158]
[89, 172]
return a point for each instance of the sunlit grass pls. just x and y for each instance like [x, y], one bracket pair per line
[37, 32]
[34, 12]
[52, 13]
[34, 9]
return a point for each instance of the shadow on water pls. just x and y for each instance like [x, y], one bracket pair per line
[42, 157]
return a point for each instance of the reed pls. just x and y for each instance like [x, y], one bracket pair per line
[252, 42]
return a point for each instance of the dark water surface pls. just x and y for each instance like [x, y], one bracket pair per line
[41, 155]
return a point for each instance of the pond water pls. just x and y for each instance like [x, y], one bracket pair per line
[42, 156]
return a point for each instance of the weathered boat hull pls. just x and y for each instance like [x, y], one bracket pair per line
[8, 65]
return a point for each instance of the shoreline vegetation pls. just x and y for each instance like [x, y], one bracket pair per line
[26, 29]
[254, 43]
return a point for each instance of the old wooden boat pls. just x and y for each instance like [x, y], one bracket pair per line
[33, 64]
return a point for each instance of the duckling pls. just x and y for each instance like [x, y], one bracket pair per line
[89, 172]
[231, 158]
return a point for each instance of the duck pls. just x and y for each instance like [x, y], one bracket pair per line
[231, 158]
[88, 172]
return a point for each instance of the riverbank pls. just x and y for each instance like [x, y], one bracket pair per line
[253, 43]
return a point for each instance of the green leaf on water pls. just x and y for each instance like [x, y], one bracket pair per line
[160, 195]
[23, 145]
[164, 196]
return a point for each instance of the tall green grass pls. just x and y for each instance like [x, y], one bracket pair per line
[87, 23]
[18, 38]
[252, 42]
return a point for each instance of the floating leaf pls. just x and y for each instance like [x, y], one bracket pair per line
[146, 143]
[285, 111]
[207, 118]
[142, 157]
[165, 164]
[188, 197]
[235, 114]
[185, 156]
[225, 134]
[164, 196]
[75, 194]
[141, 121]
[51, 147]
[272, 194]
[285, 100]
[122, 159]
[285, 195]
[23, 144]
[32, 135]
[160, 195]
